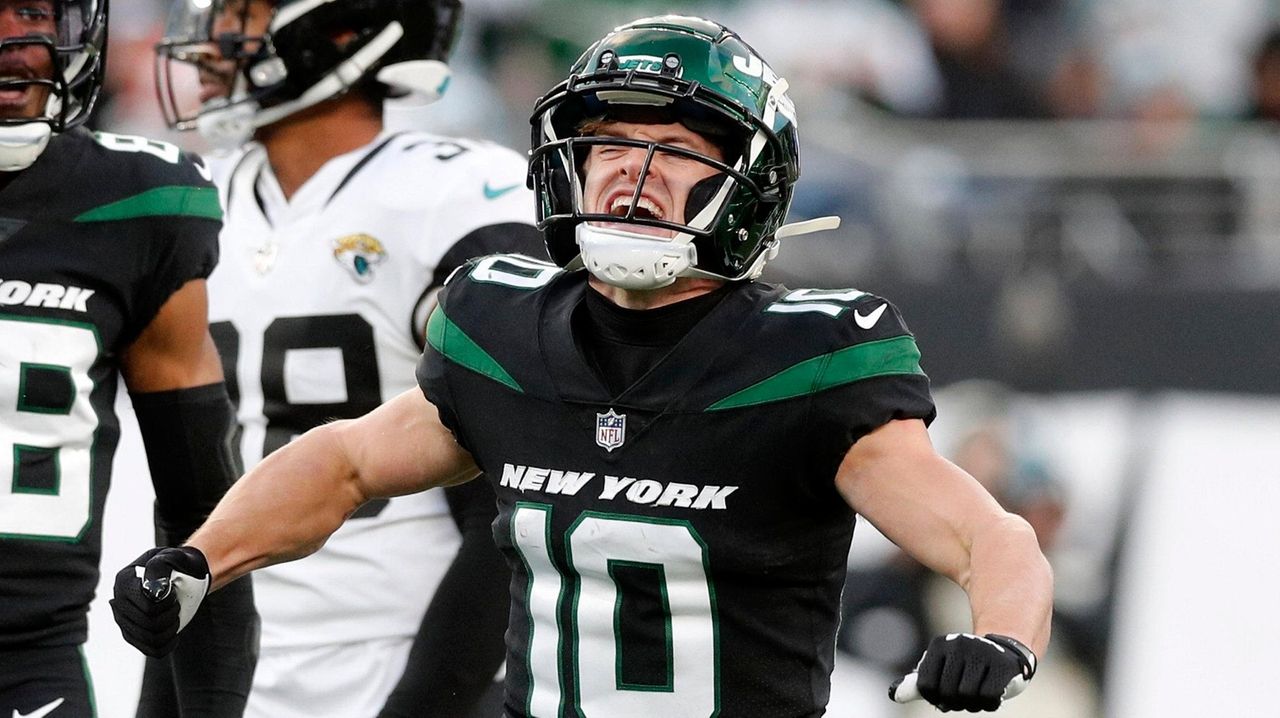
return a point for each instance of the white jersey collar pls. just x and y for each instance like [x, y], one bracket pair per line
[315, 192]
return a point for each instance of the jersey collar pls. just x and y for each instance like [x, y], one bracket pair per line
[315, 193]
[663, 387]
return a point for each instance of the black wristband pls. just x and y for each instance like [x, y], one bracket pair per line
[187, 434]
[1025, 655]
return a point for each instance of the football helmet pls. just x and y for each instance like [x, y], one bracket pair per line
[669, 69]
[310, 51]
[79, 56]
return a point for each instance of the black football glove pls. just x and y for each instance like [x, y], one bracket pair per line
[961, 671]
[156, 596]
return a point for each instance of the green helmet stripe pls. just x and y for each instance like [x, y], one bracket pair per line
[885, 357]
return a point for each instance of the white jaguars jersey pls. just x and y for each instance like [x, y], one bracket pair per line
[317, 306]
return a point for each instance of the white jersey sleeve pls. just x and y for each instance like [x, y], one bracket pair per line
[481, 205]
[488, 189]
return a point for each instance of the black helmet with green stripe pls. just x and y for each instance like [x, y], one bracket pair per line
[669, 69]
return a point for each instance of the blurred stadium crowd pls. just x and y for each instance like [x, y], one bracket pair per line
[946, 59]
[1077, 202]
[1120, 140]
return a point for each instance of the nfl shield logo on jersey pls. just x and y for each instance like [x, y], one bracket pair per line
[611, 430]
[359, 253]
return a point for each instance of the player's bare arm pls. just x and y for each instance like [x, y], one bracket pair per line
[174, 351]
[319, 479]
[175, 378]
[943, 518]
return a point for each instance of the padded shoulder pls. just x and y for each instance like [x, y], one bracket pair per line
[831, 318]
[804, 341]
[454, 160]
[140, 177]
[513, 274]
[487, 315]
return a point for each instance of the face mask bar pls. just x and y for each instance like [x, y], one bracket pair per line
[58, 87]
[574, 150]
[75, 17]
[76, 66]
[594, 92]
[190, 47]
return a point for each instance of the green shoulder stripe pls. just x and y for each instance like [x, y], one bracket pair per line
[449, 339]
[172, 201]
[898, 355]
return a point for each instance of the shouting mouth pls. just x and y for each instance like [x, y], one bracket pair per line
[620, 205]
[16, 91]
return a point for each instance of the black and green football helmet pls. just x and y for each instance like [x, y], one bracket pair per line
[669, 69]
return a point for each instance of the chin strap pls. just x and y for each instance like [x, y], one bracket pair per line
[632, 261]
[809, 226]
[342, 77]
[795, 229]
[21, 145]
[424, 80]
[233, 125]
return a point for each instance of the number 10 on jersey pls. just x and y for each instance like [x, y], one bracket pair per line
[599, 549]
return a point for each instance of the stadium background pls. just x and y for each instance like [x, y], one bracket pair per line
[1076, 204]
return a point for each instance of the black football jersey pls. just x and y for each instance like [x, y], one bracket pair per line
[677, 549]
[94, 238]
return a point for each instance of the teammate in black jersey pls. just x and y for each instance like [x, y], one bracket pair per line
[105, 241]
[678, 450]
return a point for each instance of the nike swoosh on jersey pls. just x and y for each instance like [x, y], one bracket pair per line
[866, 321]
[40, 712]
[494, 193]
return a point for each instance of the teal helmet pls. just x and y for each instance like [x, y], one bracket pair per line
[669, 69]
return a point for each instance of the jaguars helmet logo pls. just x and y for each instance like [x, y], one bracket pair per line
[359, 253]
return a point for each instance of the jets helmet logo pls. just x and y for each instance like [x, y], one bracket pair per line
[359, 253]
[649, 63]
[611, 429]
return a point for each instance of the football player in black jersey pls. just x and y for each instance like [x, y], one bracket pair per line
[105, 241]
[678, 450]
